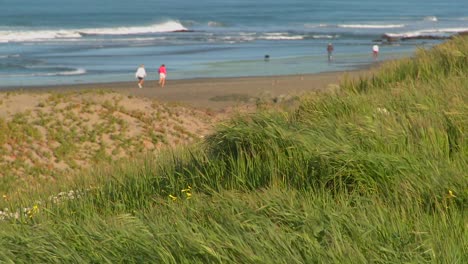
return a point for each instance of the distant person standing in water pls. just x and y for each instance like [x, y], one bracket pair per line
[375, 51]
[140, 75]
[330, 51]
[162, 75]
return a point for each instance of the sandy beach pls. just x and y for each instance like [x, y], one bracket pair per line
[218, 93]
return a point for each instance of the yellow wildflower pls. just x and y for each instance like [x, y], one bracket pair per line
[188, 189]
[450, 194]
[33, 211]
[172, 197]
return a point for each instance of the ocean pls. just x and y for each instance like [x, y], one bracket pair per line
[51, 42]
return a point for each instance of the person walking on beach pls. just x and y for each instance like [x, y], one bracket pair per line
[162, 75]
[375, 51]
[330, 52]
[140, 75]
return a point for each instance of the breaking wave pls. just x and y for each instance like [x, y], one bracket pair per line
[63, 72]
[427, 33]
[24, 35]
[280, 36]
[370, 26]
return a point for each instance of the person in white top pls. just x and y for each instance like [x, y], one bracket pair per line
[375, 51]
[140, 75]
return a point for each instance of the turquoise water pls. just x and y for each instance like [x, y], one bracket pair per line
[81, 41]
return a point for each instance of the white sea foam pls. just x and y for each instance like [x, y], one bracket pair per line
[321, 25]
[24, 35]
[280, 36]
[234, 39]
[370, 26]
[79, 71]
[168, 26]
[70, 72]
[431, 18]
[36, 35]
[426, 32]
[323, 36]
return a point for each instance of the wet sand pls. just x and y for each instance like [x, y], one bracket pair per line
[218, 93]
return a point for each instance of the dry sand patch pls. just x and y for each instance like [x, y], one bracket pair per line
[45, 134]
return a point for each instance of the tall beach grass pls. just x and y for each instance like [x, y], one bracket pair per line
[375, 172]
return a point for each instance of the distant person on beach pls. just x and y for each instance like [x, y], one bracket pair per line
[140, 75]
[375, 51]
[267, 57]
[162, 75]
[330, 51]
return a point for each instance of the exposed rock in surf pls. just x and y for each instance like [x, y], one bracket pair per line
[425, 37]
[183, 30]
[392, 38]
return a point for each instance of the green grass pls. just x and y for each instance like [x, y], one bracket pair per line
[375, 172]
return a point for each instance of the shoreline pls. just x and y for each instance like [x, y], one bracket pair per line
[214, 93]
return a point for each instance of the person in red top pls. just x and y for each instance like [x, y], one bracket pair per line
[162, 75]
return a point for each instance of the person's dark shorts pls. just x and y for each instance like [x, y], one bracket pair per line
[140, 78]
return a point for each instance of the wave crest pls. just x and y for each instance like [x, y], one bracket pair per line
[370, 26]
[280, 36]
[63, 72]
[36, 35]
[426, 33]
[169, 26]
[62, 34]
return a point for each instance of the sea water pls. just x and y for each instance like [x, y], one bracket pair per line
[52, 42]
